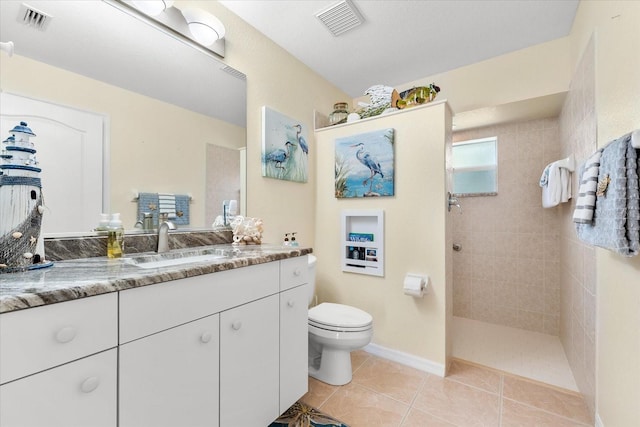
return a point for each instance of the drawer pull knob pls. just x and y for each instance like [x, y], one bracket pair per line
[90, 384]
[291, 303]
[66, 334]
[205, 337]
[236, 325]
[296, 272]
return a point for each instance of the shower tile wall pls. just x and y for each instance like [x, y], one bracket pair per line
[578, 261]
[508, 271]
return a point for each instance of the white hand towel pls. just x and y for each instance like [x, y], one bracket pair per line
[635, 139]
[552, 192]
[167, 204]
[565, 185]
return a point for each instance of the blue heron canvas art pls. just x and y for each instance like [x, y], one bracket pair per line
[285, 152]
[364, 165]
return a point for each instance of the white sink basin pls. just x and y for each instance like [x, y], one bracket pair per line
[174, 258]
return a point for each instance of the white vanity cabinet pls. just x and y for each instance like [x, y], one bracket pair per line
[294, 349]
[294, 335]
[171, 378]
[56, 368]
[78, 394]
[249, 357]
[227, 349]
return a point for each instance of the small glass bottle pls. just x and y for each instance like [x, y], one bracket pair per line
[115, 238]
[339, 114]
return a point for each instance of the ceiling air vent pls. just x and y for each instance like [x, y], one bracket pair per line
[341, 17]
[235, 73]
[33, 17]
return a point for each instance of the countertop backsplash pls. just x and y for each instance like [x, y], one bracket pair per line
[68, 248]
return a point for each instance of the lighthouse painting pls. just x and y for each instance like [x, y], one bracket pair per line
[21, 204]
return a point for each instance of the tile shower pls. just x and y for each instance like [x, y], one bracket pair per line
[521, 265]
[508, 271]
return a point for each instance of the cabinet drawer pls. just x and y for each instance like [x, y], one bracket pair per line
[150, 309]
[294, 272]
[39, 338]
[81, 393]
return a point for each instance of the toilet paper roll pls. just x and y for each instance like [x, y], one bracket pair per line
[414, 285]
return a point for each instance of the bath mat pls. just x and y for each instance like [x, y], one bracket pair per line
[302, 415]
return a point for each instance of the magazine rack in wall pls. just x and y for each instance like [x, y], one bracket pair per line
[362, 241]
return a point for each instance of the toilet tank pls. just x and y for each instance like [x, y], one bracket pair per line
[312, 276]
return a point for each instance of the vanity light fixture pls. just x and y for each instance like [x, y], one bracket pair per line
[204, 27]
[153, 7]
[194, 26]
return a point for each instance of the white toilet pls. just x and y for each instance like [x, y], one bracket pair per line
[335, 330]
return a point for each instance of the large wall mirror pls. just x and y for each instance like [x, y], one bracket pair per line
[173, 114]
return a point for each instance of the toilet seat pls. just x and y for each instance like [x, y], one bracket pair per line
[339, 317]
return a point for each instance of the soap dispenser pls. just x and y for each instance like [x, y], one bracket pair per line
[103, 225]
[115, 238]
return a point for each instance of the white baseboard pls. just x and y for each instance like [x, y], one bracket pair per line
[406, 359]
[599, 422]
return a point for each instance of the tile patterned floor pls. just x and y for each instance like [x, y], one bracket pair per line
[384, 393]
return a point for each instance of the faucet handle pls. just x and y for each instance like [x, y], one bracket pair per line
[452, 201]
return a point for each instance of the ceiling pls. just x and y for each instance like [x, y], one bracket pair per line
[401, 41]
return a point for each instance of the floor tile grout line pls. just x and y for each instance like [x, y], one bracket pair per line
[546, 411]
[415, 396]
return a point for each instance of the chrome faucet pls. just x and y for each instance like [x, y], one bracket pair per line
[163, 235]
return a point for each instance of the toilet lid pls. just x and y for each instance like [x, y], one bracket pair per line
[339, 315]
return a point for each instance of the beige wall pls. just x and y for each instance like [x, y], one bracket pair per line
[415, 239]
[275, 79]
[512, 77]
[149, 152]
[617, 85]
[508, 270]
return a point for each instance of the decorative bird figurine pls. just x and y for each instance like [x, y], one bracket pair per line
[301, 141]
[280, 155]
[374, 167]
[380, 95]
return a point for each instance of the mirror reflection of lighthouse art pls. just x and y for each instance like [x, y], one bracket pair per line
[364, 165]
[21, 204]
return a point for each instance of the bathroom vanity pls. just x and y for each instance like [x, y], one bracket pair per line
[219, 343]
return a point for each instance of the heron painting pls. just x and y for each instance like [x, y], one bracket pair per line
[364, 165]
[285, 152]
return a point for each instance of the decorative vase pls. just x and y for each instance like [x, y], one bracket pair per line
[339, 114]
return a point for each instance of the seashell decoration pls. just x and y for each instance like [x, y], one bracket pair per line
[247, 231]
[16, 235]
[27, 255]
[40, 209]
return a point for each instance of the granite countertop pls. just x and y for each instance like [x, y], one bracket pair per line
[73, 279]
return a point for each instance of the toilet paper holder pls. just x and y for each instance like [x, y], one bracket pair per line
[416, 285]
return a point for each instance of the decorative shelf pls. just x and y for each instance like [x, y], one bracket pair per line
[321, 121]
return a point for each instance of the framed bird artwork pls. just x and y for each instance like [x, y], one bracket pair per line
[364, 165]
[285, 152]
